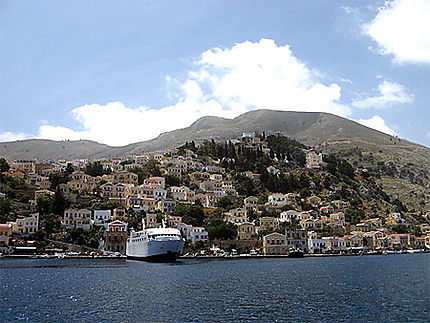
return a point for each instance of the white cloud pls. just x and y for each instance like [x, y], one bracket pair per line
[377, 123]
[264, 75]
[401, 29]
[10, 136]
[225, 82]
[389, 93]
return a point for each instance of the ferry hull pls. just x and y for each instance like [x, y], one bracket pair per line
[167, 257]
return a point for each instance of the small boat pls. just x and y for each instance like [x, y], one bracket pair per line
[389, 252]
[414, 251]
[295, 253]
[217, 252]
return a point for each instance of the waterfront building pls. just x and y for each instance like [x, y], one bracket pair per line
[334, 244]
[317, 245]
[116, 237]
[274, 244]
[199, 234]
[353, 241]
[5, 233]
[297, 239]
[5, 229]
[185, 229]
[399, 240]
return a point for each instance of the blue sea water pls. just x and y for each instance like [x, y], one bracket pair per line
[394, 288]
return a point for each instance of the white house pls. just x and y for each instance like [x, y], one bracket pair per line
[289, 215]
[160, 194]
[317, 245]
[101, 217]
[28, 224]
[250, 203]
[77, 219]
[199, 234]
[313, 159]
[277, 200]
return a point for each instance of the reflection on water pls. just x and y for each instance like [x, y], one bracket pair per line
[374, 288]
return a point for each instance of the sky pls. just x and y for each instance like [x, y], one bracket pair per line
[119, 72]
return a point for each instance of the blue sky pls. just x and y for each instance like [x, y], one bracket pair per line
[124, 71]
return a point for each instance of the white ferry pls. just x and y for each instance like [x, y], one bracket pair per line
[155, 244]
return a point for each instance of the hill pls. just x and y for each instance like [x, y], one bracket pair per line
[327, 132]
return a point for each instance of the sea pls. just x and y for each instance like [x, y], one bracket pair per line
[392, 288]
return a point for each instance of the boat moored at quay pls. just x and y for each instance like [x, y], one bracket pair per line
[155, 244]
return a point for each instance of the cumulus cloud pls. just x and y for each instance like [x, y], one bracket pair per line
[401, 29]
[10, 136]
[377, 123]
[264, 75]
[224, 82]
[389, 93]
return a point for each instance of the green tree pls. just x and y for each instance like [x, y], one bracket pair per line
[245, 186]
[346, 169]
[69, 169]
[5, 210]
[400, 229]
[153, 168]
[45, 204]
[58, 178]
[219, 229]
[191, 214]
[4, 166]
[90, 238]
[60, 204]
[354, 215]
[225, 203]
[51, 223]
[96, 169]
[172, 180]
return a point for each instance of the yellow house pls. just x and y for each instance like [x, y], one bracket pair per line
[246, 230]
[274, 244]
[268, 223]
[5, 229]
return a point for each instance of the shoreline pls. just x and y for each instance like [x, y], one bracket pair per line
[244, 256]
